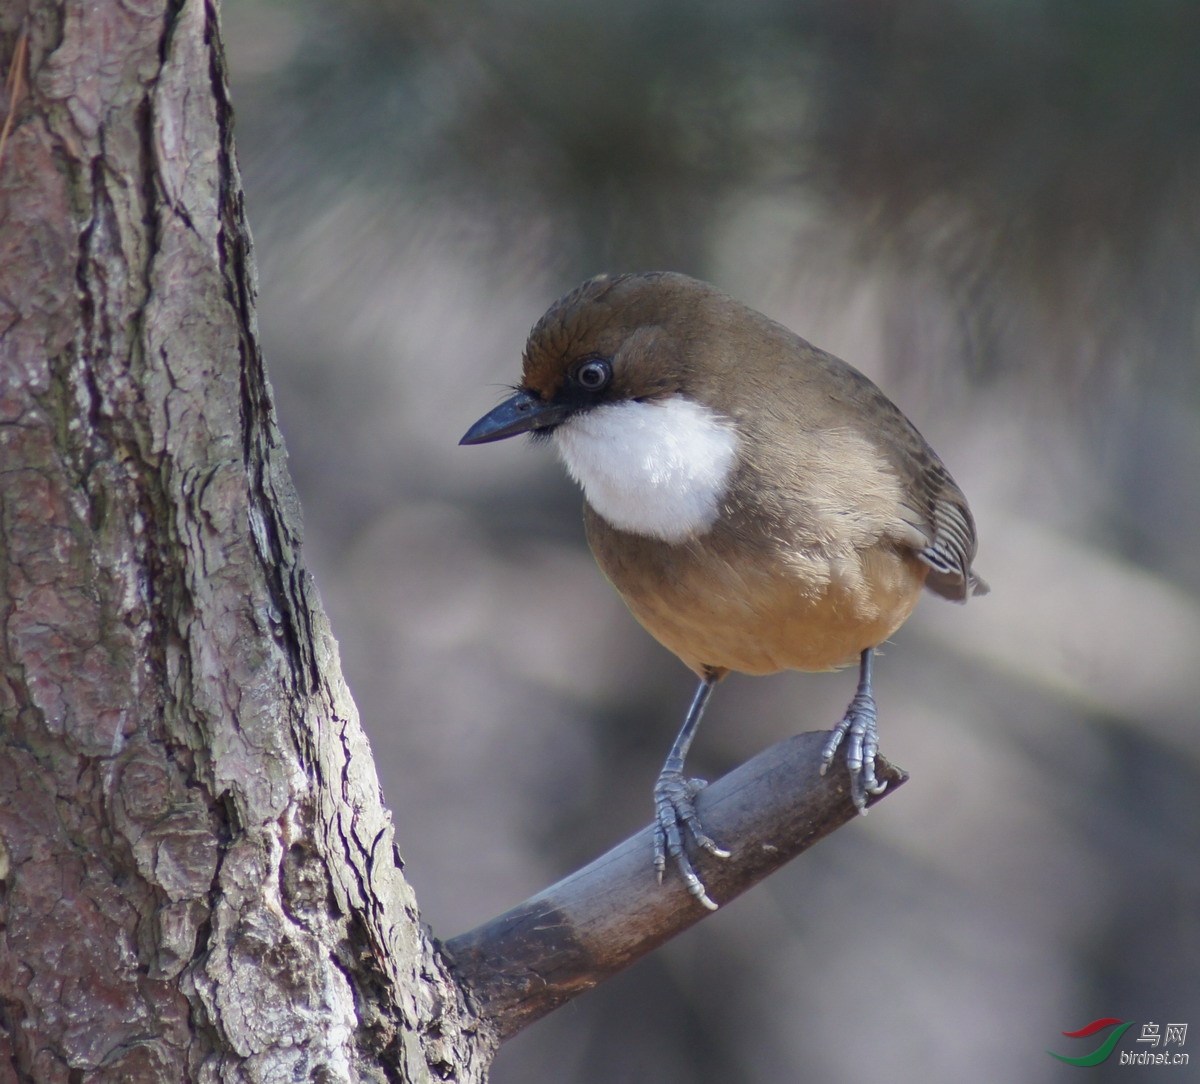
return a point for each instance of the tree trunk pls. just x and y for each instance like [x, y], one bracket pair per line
[198, 880]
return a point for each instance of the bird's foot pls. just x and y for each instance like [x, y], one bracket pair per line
[675, 819]
[860, 730]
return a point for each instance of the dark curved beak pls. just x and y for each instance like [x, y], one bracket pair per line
[522, 413]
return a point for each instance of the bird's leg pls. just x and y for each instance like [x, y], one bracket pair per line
[861, 725]
[675, 803]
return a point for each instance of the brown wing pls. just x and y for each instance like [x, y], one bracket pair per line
[932, 504]
[947, 522]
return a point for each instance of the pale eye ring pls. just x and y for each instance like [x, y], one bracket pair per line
[593, 375]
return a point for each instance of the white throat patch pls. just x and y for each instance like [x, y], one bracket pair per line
[658, 468]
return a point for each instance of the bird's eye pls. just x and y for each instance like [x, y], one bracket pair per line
[593, 375]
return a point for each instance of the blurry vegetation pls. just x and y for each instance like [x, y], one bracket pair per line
[1040, 136]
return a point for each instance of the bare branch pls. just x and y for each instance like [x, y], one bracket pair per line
[526, 962]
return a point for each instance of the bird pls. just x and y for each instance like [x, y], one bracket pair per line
[759, 504]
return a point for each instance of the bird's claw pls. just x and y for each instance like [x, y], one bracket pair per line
[675, 817]
[860, 729]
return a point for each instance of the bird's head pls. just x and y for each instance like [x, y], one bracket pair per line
[616, 372]
[614, 339]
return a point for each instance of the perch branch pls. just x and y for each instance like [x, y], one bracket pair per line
[522, 964]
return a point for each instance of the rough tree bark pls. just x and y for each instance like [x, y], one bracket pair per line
[198, 880]
[198, 876]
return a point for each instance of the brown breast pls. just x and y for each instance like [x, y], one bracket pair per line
[763, 612]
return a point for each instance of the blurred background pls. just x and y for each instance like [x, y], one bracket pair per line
[990, 208]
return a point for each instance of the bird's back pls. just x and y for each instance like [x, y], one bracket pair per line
[835, 458]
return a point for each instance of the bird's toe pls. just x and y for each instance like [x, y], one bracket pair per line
[676, 819]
